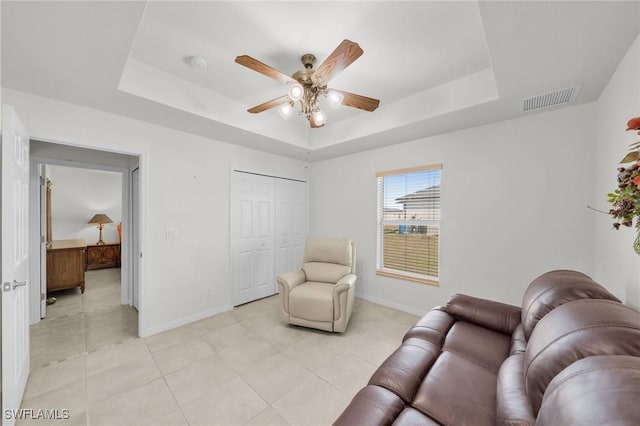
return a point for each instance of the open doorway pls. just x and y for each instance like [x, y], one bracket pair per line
[86, 274]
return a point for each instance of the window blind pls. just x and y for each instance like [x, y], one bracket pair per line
[409, 222]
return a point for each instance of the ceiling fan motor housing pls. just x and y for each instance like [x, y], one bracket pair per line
[308, 60]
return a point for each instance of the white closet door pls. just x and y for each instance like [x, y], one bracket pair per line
[291, 224]
[252, 237]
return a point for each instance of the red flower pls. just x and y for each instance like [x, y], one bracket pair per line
[633, 124]
[636, 180]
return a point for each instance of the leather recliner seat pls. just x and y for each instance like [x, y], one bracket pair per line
[321, 294]
[569, 356]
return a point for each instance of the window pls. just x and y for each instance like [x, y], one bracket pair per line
[409, 223]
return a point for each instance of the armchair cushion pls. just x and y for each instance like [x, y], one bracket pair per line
[312, 301]
[325, 272]
[328, 250]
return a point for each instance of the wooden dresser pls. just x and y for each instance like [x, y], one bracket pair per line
[65, 264]
[103, 256]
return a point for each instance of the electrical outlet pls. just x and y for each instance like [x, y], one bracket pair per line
[209, 292]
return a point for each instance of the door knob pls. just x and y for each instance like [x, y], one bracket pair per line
[8, 287]
[19, 284]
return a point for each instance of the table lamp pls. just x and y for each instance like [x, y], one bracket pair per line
[100, 219]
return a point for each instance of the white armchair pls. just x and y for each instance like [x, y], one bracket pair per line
[321, 294]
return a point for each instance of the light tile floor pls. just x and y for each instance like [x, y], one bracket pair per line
[243, 367]
[78, 323]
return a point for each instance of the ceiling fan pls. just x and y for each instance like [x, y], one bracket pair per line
[306, 85]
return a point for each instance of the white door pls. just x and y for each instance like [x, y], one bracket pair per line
[15, 262]
[291, 224]
[252, 237]
[43, 241]
[135, 234]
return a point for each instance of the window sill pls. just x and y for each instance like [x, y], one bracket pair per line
[412, 278]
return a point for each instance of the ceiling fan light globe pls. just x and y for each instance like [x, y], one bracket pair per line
[296, 91]
[335, 98]
[318, 116]
[285, 110]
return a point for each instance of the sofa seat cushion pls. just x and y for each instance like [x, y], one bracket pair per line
[372, 406]
[482, 346]
[513, 407]
[404, 370]
[412, 417]
[518, 342]
[457, 391]
[312, 301]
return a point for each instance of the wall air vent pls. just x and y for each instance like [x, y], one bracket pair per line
[549, 99]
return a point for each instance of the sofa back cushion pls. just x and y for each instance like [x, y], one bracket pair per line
[598, 390]
[553, 289]
[328, 259]
[574, 331]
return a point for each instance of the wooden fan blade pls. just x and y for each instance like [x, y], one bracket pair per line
[268, 105]
[313, 124]
[263, 68]
[359, 101]
[341, 58]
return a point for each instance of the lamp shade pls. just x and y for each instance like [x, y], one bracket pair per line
[100, 219]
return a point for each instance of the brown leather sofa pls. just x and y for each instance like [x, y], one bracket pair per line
[569, 356]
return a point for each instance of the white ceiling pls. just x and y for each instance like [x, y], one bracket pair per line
[436, 66]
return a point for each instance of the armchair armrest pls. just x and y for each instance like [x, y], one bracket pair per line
[344, 284]
[287, 282]
[496, 316]
[342, 303]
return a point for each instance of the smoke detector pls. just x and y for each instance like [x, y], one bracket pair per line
[546, 100]
[195, 62]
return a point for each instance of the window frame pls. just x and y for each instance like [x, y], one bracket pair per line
[395, 273]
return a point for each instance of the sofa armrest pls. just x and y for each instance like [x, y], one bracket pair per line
[496, 316]
[287, 282]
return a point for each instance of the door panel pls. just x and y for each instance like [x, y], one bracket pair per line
[246, 218]
[245, 261]
[291, 210]
[252, 238]
[15, 262]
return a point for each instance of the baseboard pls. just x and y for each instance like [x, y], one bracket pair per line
[186, 320]
[393, 305]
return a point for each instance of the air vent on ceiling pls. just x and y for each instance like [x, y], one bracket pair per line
[549, 99]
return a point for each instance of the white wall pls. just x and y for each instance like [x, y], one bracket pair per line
[514, 197]
[617, 265]
[185, 184]
[76, 195]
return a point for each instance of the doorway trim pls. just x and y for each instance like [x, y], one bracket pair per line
[127, 256]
